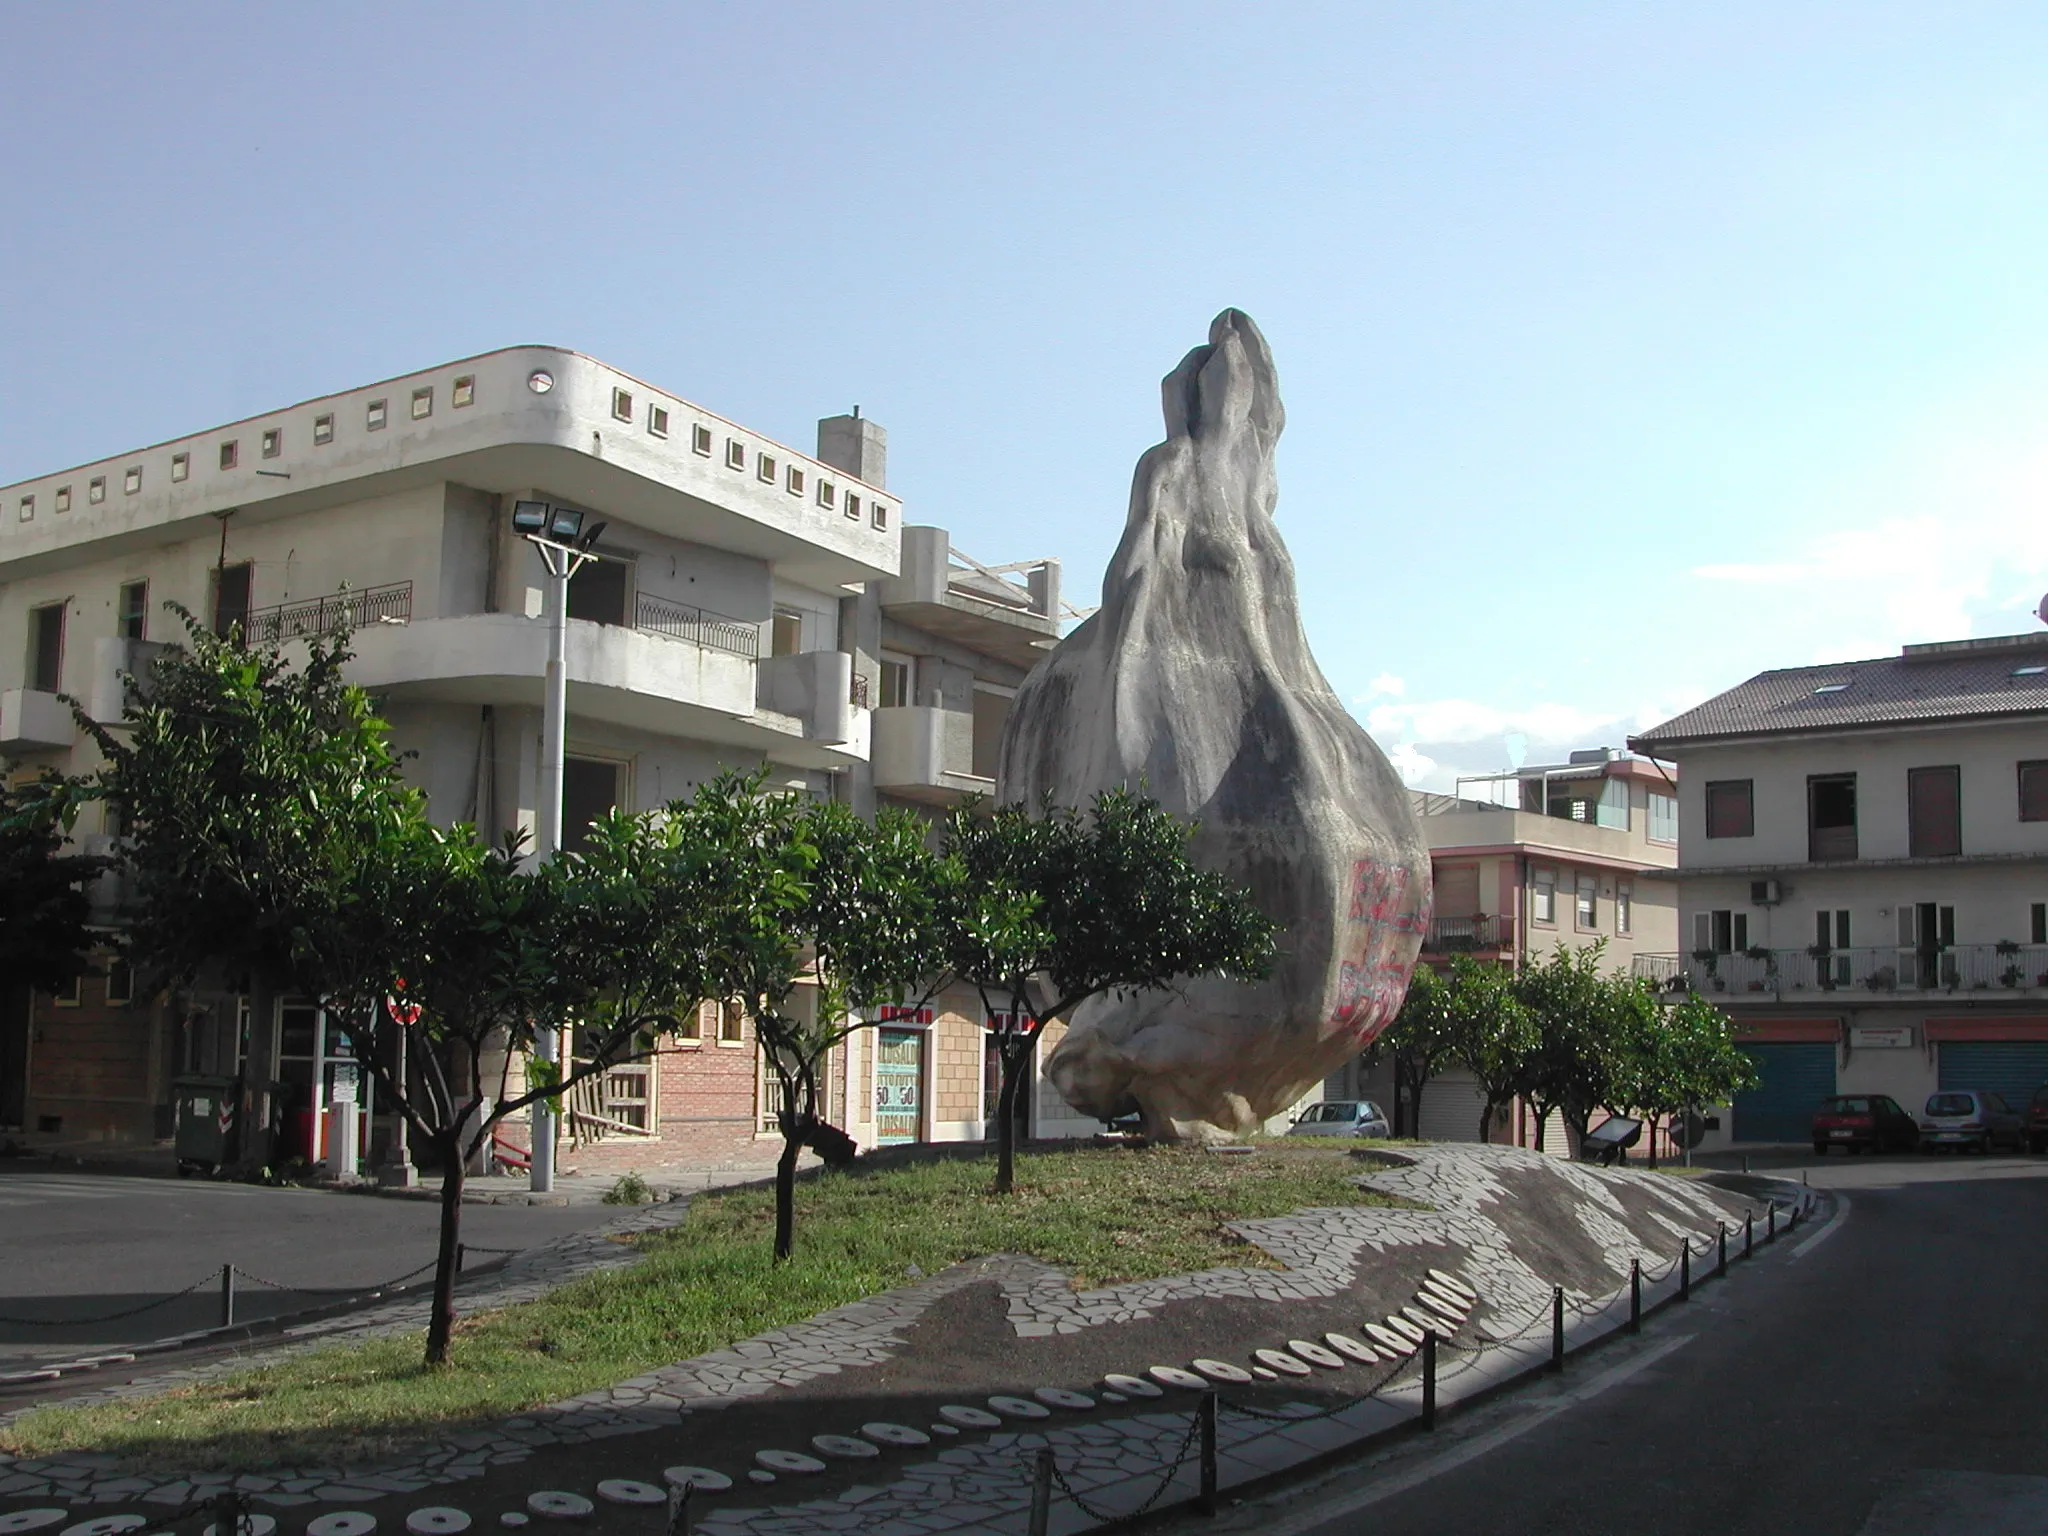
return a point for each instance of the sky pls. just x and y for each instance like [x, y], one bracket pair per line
[1627, 350]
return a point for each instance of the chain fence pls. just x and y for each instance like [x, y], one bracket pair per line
[1047, 1475]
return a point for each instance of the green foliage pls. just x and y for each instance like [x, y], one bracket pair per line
[1057, 907]
[44, 910]
[629, 1189]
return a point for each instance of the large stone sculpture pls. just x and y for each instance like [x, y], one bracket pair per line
[1195, 680]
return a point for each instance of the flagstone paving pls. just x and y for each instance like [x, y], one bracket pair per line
[1495, 1214]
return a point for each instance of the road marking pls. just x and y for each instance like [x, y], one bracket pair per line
[1834, 1225]
[25, 1189]
[1347, 1504]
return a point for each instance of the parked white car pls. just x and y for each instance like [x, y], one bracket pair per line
[1341, 1117]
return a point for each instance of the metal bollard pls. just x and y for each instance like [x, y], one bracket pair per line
[1205, 1414]
[1721, 1264]
[1745, 1162]
[1429, 1379]
[227, 1295]
[1041, 1494]
[1749, 1234]
[679, 1509]
[1771, 1224]
[1635, 1295]
[1557, 1327]
[1685, 1270]
[228, 1518]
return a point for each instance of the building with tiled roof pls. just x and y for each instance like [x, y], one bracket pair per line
[1863, 876]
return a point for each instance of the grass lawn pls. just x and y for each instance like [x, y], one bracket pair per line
[1108, 1214]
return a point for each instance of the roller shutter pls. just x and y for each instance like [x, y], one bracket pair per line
[2010, 1068]
[1795, 1078]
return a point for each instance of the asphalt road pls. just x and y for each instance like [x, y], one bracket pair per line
[81, 1246]
[1884, 1374]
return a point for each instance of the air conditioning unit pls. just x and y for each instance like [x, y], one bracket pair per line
[1765, 893]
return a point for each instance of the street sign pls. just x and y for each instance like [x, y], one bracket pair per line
[1881, 1037]
[346, 1082]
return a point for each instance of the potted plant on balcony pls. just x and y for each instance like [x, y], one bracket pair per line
[1823, 965]
[2012, 975]
[1710, 959]
[1769, 960]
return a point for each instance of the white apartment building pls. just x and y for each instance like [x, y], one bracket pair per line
[759, 606]
[1863, 875]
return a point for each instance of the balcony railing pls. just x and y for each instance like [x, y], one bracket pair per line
[1875, 970]
[714, 631]
[388, 604]
[1469, 935]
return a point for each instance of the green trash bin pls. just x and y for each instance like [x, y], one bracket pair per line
[205, 1128]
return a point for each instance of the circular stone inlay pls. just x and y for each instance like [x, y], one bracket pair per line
[1346, 1345]
[31, 1520]
[1315, 1354]
[845, 1447]
[703, 1479]
[1019, 1407]
[1424, 1321]
[1131, 1386]
[1060, 1397]
[1114, 1397]
[895, 1434]
[943, 1428]
[515, 1517]
[1265, 1375]
[1223, 1370]
[349, 1522]
[437, 1520]
[963, 1417]
[1445, 1296]
[1281, 1361]
[1453, 1283]
[1405, 1328]
[1441, 1309]
[1174, 1376]
[1397, 1342]
[789, 1461]
[106, 1525]
[627, 1490]
[250, 1525]
[558, 1504]
[757, 1475]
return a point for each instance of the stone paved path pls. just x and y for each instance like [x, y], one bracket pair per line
[1110, 1454]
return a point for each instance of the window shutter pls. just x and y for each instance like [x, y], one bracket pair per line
[1740, 939]
[1934, 812]
[1702, 930]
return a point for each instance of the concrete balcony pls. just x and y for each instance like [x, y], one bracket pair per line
[814, 688]
[34, 721]
[1490, 937]
[986, 608]
[924, 753]
[659, 683]
[1862, 974]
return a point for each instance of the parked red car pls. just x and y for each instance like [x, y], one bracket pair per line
[1856, 1121]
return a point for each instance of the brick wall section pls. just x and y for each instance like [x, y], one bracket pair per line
[92, 1067]
[956, 1037]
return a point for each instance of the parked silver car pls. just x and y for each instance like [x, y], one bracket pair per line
[1341, 1117]
[1970, 1117]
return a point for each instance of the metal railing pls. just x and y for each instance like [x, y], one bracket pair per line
[1465, 935]
[1864, 969]
[388, 604]
[679, 621]
[861, 692]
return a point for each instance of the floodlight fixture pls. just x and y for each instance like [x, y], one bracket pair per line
[566, 523]
[591, 535]
[529, 516]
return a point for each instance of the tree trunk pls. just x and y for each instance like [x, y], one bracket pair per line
[1006, 1119]
[785, 1187]
[1415, 1105]
[441, 1321]
[1486, 1122]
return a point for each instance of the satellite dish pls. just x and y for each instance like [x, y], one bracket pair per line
[2041, 612]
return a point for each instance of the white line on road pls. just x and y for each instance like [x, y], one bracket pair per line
[1350, 1503]
[1835, 1223]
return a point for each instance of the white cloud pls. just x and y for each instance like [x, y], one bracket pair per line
[1385, 686]
[1432, 742]
[1759, 575]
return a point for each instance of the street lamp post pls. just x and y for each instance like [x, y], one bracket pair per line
[564, 545]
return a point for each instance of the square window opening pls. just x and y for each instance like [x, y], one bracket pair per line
[375, 414]
[622, 405]
[853, 506]
[28, 509]
[423, 402]
[181, 466]
[657, 420]
[96, 489]
[878, 514]
[230, 454]
[700, 440]
[1731, 809]
[131, 482]
[735, 453]
[827, 493]
[63, 502]
[323, 428]
[273, 442]
[463, 393]
[135, 610]
[796, 481]
[764, 467]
